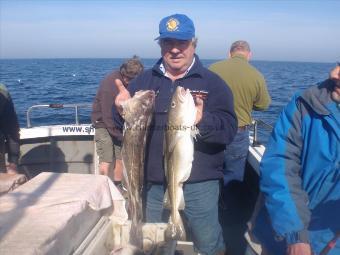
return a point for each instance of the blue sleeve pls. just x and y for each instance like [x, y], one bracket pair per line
[280, 179]
[219, 121]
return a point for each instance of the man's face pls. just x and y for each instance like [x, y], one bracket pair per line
[177, 54]
[335, 76]
[126, 80]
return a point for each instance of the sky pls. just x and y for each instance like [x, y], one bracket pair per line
[276, 30]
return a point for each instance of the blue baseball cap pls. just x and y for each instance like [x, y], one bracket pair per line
[176, 26]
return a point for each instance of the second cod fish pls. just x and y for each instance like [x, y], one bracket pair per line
[137, 113]
[178, 157]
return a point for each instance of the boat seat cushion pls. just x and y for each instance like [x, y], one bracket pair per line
[53, 212]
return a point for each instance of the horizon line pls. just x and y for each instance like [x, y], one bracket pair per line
[153, 58]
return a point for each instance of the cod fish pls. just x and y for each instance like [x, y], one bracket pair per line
[137, 113]
[178, 157]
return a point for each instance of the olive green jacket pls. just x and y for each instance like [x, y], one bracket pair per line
[247, 84]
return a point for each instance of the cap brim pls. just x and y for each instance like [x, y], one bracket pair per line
[175, 36]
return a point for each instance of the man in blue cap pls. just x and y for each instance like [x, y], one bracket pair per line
[215, 120]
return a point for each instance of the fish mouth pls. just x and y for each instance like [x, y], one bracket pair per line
[182, 93]
[151, 94]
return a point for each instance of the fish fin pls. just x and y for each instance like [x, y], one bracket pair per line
[187, 172]
[136, 235]
[165, 161]
[166, 201]
[174, 141]
[195, 132]
[168, 149]
[165, 153]
[125, 174]
[181, 205]
[175, 230]
[166, 168]
[164, 147]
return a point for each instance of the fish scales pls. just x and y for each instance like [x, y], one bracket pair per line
[137, 113]
[178, 157]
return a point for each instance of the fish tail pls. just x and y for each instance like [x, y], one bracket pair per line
[175, 229]
[136, 235]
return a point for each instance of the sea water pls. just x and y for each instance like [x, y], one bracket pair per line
[71, 81]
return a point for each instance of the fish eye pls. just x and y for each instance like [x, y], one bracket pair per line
[173, 104]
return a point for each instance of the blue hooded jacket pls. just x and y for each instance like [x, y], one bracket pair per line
[300, 173]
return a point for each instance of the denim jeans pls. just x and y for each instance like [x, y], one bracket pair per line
[201, 213]
[235, 156]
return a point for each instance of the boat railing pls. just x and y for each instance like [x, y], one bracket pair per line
[256, 123]
[57, 106]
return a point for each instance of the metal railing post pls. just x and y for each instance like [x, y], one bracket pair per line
[77, 118]
[255, 142]
[56, 106]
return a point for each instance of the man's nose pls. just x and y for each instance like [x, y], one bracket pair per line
[175, 48]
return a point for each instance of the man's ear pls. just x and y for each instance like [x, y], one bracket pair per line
[249, 55]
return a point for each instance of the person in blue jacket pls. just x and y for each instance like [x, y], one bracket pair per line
[300, 174]
[215, 119]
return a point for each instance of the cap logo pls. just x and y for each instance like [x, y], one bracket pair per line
[172, 24]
